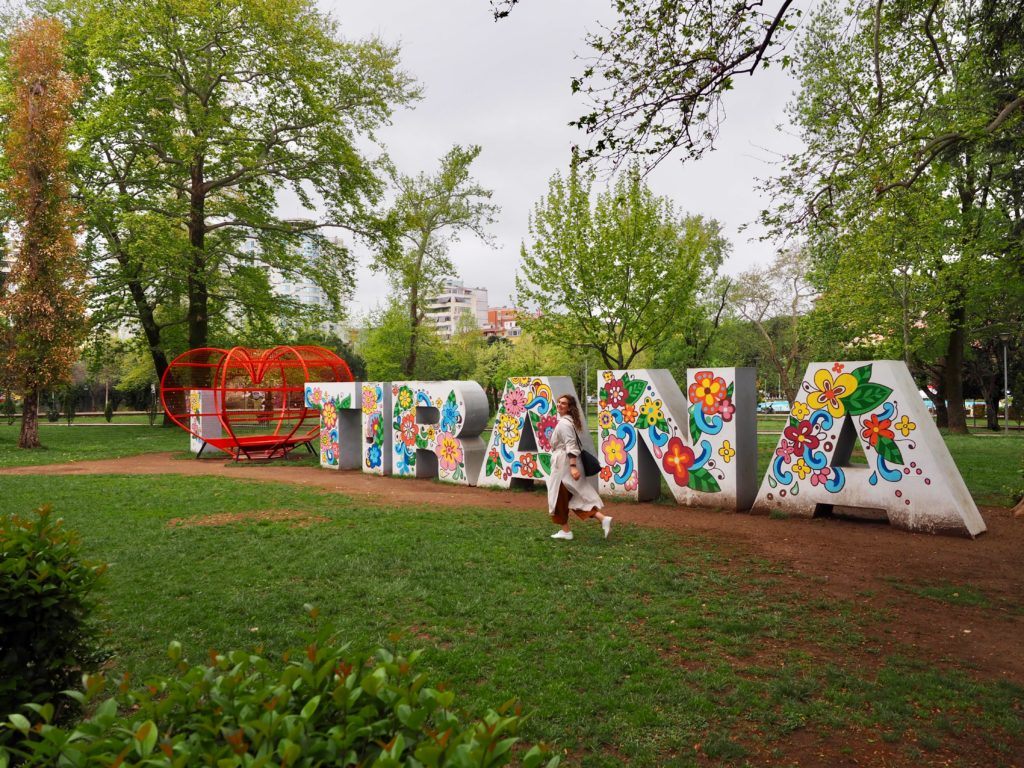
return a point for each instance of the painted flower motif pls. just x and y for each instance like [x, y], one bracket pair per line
[431, 434]
[905, 425]
[800, 411]
[614, 449]
[615, 393]
[820, 476]
[633, 482]
[449, 452]
[405, 398]
[315, 395]
[369, 399]
[802, 436]
[373, 456]
[875, 428]
[508, 430]
[801, 469]
[651, 410]
[515, 402]
[629, 414]
[606, 473]
[372, 427]
[329, 414]
[726, 409]
[493, 455]
[607, 375]
[527, 465]
[727, 452]
[785, 450]
[449, 416]
[829, 390]
[407, 430]
[678, 459]
[708, 390]
[838, 368]
[605, 420]
[545, 428]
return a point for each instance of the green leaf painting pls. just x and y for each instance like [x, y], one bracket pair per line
[862, 375]
[703, 481]
[345, 403]
[888, 450]
[635, 390]
[694, 429]
[544, 460]
[866, 398]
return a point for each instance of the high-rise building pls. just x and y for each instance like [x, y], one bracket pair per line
[299, 284]
[446, 309]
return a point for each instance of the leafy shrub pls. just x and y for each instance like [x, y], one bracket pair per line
[8, 407]
[68, 402]
[108, 411]
[324, 707]
[45, 638]
[53, 410]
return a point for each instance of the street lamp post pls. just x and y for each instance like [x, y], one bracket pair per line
[1005, 338]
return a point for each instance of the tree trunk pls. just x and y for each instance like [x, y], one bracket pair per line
[414, 326]
[992, 410]
[198, 292]
[29, 437]
[954, 377]
[938, 397]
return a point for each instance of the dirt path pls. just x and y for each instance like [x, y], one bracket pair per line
[867, 563]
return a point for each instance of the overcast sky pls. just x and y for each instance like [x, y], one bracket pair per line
[505, 86]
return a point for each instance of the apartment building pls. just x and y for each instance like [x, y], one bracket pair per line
[445, 309]
[503, 323]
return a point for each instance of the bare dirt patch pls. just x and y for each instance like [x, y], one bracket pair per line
[296, 518]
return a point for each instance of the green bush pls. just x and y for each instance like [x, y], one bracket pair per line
[53, 410]
[325, 707]
[46, 640]
[108, 411]
[8, 407]
[68, 400]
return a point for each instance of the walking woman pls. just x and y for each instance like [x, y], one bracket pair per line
[568, 487]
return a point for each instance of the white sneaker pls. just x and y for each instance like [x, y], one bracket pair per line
[567, 535]
[606, 524]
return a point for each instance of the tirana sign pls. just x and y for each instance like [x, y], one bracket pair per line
[699, 440]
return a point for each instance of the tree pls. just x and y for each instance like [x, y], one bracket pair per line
[45, 311]
[911, 114]
[385, 349]
[774, 300]
[658, 75]
[201, 111]
[429, 213]
[617, 275]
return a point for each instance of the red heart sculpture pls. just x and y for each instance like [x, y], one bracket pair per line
[257, 396]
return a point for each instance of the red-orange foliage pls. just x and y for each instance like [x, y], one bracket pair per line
[46, 311]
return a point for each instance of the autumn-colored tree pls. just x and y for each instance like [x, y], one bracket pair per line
[45, 310]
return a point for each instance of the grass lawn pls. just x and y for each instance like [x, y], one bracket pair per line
[652, 648]
[85, 442]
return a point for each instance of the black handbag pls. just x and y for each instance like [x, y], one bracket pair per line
[591, 466]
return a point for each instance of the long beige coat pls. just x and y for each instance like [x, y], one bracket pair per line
[583, 492]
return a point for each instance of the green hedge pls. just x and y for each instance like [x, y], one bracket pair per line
[322, 707]
[46, 640]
